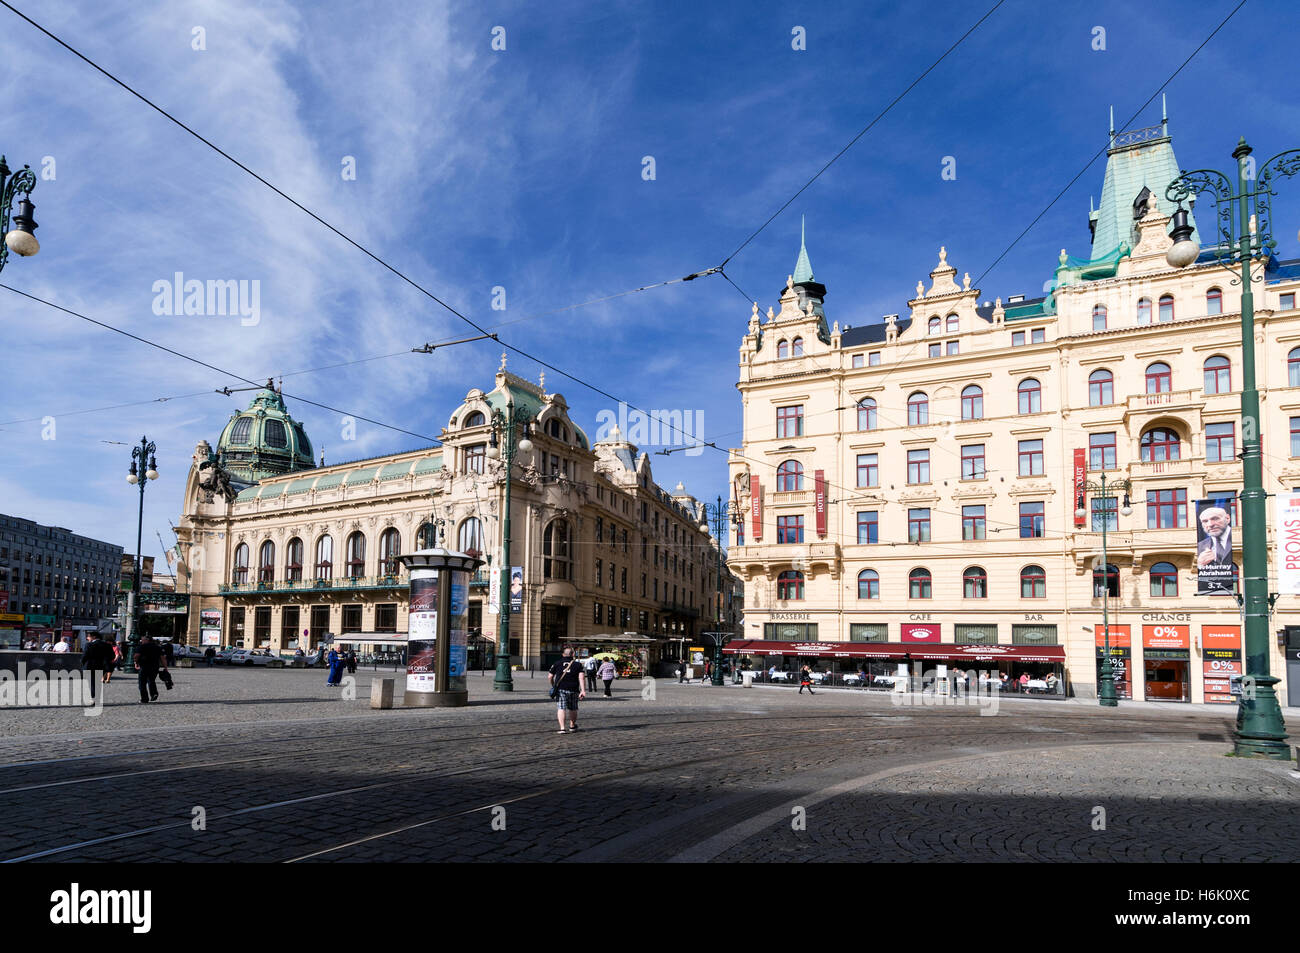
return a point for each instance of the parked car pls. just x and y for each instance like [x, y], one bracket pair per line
[189, 651]
[255, 657]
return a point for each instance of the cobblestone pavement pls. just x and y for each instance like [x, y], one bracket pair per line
[265, 765]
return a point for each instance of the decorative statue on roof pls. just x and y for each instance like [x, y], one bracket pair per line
[213, 478]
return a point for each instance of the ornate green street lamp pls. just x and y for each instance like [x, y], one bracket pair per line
[22, 239]
[1242, 239]
[1100, 490]
[144, 456]
[508, 435]
[721, 514]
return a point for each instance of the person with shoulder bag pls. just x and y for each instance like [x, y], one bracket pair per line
[566, 679]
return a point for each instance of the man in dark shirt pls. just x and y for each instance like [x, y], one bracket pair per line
[566, 677]
[148, 658]
[96, 659]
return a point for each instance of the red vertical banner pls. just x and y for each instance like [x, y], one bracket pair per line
[819, 496]
[756, 508]
[1080, 477]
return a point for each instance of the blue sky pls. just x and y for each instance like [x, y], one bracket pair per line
[522, 169]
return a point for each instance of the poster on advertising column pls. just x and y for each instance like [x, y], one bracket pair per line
[1288, 543]
[1215, 570]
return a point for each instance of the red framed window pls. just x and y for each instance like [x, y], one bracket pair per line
[1033, 583]
[356, 556]
[972, 403]
[789, 476]
[789, 529]
[1031, 457]
[918, 409]
[1160, 444]
[782, 350]
[1099, 317]
[1166, 309]
[975, 583]
[1293, 368]
[934, 326]
[1101, 451]
[293, 560]
[867, 414]
[919, 584]
[266, 562]
[239, 571]
[796, 347]
[1160, 379]
[1144, 311]
[1218, 375]
[1032, 520]
[918, 526]
[868, 526]
[952, 324]
[972, 462]
[973, 524]
[1101, 388]
[1220, 443]
[1164, 580]
[918, 466]
[868, 469]
[789, 585]
[868, 584]
[1109, 583]
[789, 421]
[1030, 396]
[1166, 509]
[1214, 301]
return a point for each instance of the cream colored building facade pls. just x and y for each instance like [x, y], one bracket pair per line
[606, 554]
[947, 438]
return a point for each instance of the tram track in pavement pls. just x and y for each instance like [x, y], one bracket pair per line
[901, 734]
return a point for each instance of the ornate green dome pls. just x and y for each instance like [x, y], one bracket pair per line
[264, 441]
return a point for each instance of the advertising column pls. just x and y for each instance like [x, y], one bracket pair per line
[422, 636]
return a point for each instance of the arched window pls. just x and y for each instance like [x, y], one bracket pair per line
[782, 350]
[1101, 388]
[275, 434]
[1293, 368]
[266, 562]
[1030, 396]
[470, 537]
[390, 547]
[555, 550]
[1099, 317]
[475, 419]
[1107, 583]
[1214, 301]
[325, 557]
[1160, 379]
[426, 537]
[918, 409]
[866, 414]
[1166, 309]
[789, 476]
[240, 432]
[356, 556]
[239, 574]
[293, 560]
[972, 403]
[918, 584]
[1164, 579]
[868, 584]
[1218, 375]
[975, 583]
[1159, 444]
[1144, 311]
[796, 347]
[789, 585]
[1033, 583]
[935, 325]
[952, 324]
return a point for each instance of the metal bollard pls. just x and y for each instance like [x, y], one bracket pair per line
[381, 693]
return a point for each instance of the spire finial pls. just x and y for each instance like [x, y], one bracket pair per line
[803, 267]
[1112, 122]
[1164, 109]
[503, 362]
[541, 381]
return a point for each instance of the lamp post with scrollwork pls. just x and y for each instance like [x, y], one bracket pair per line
[722, 513]
[142, 455]
[508, 435]
[1243, 220]
[21, 240]
[1106, 682]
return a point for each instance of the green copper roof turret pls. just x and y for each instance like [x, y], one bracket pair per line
[803, 268]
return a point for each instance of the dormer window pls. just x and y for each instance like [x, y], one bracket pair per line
[243, 427]
[475, 419]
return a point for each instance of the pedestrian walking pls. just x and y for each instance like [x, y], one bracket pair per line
[681, 672]
[117, 662]
[805, 680]
[352, 662]
[336, 669]
[566, 688]
[589, 672]
[169, 649]
[149, 659]
[607, 673]
[96, 659]
[210, 656]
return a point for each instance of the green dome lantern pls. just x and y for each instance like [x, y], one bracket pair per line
[264, 441]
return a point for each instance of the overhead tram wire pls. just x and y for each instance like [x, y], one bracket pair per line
[212, 367]
[1098, 154]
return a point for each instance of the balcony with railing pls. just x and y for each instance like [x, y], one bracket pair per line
[315, 585]
[1165, 400]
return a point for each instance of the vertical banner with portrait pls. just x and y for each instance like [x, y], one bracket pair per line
[422, 633]
[516, 588]
[1214, 542]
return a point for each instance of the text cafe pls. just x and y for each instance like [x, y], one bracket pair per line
[975, 647]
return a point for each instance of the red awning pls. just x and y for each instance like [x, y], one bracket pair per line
[896, 650]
